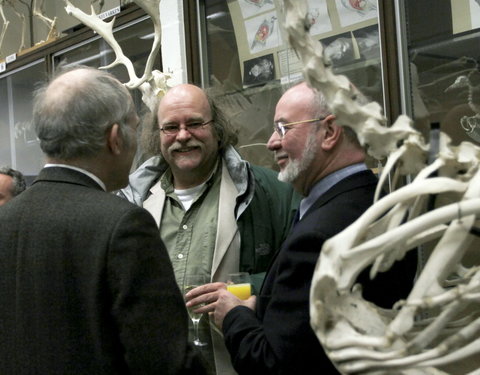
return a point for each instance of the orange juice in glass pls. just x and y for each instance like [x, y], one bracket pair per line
[240, 284]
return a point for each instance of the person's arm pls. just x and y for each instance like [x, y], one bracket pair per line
[283, 342]
[147, 306]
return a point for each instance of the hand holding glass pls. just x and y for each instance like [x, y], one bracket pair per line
[240, 285]
[192, 281]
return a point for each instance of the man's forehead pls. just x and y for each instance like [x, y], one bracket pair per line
[184, 109]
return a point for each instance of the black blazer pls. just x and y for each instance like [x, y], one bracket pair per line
[277, 338]
[86, 285]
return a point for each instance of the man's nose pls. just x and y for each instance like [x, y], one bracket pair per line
[183, 134]
[274, 142]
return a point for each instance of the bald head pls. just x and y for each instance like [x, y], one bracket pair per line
[63, 89]
[184, 96]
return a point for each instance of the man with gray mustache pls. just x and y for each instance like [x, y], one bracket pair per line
[216, 213]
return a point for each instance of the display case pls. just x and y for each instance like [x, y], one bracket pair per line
[245, 58]
[443, 67]
[19, 146]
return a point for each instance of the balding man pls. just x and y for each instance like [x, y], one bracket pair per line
[322, 160]
[86, 283]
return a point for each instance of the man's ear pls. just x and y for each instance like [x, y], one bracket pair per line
[333, 133]
[114, 140]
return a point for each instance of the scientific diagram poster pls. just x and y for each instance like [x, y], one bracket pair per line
[263, 51]
[354, 11]
[319, 17]
[250, 8]
[263, 32]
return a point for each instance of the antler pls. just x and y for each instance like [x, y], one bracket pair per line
[51, 24]
[6, 23]
[152, 83]
[4, 26]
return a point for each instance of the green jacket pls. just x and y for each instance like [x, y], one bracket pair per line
[264, 209]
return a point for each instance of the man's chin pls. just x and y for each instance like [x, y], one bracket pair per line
[289, 173]
[186, 164]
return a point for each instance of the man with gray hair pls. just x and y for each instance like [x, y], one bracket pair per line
[12, 183]
[270, 333]
[87, 285]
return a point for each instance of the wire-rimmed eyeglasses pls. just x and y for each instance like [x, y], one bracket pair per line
[281, 127]
[173, 129]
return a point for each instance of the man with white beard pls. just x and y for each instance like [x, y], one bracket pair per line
[271, 333]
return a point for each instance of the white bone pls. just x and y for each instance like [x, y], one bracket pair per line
[438, 323]
[152, 84]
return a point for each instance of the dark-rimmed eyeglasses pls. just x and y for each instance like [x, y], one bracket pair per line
[173, 129]
[282, 127]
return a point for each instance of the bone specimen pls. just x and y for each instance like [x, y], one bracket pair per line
[436, 330]
[6, 22]
[438, 325]
[152, 83]
[39, 12]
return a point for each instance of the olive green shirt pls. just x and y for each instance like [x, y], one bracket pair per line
[189, 235]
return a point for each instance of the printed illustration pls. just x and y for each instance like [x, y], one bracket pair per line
[259, 70]
[355, 11]
[318, 17]
[253, 7]
[263, 32]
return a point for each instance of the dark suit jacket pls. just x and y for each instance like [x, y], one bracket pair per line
[86, 285]
[277, 338]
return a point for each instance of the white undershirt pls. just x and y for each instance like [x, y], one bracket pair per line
[187, 196]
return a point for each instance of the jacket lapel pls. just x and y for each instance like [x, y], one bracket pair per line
[154, 203]
[227, 230]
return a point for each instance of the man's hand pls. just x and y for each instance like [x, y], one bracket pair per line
[217, 300]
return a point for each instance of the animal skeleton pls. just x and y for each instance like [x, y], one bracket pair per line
[470, 124]
[358, 336]
[6, 22]
[152, 84]
[38, 11]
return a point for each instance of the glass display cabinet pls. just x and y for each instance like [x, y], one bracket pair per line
[427, 70]
[443, 58]
[19, 146]
[246, 59]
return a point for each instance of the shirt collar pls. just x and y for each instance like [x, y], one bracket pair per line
[326, 183]
[81, 170]
[166, 180]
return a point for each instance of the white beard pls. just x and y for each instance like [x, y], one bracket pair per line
[293, 169]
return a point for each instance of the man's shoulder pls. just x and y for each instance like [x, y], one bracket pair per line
[142, 179]
[264, 172]
[268, 177]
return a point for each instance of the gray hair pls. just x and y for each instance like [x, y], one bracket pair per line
[19, 184]
[75, 123]
[323, 109]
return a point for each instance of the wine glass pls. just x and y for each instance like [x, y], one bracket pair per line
[240, 284]
[192, 281]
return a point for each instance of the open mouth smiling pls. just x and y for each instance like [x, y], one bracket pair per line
[185, 149]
